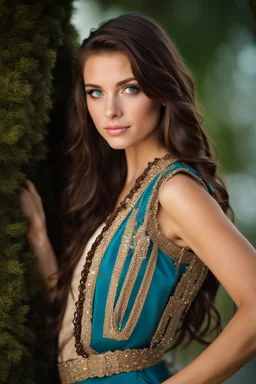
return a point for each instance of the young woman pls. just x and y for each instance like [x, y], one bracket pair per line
[148, 239]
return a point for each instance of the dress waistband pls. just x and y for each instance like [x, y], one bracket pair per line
[108, 363]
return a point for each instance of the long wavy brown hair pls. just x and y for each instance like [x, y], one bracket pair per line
[91, 190]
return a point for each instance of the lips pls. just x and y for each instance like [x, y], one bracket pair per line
[112, 127]
[116, 130]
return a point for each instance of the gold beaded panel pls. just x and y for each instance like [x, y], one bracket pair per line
[196, 271]
[109, 331]
[137, 236]
[186, 289]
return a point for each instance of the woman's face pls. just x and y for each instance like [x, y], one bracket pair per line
[114, 97]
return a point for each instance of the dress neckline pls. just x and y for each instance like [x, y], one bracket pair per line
[83, 314]
[151, 165]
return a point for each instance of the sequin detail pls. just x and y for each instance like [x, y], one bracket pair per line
[114, 318]
[193, 277]
[107, 364]
[136, 240]
[87, 286]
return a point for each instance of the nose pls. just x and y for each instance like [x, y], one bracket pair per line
[112, 107]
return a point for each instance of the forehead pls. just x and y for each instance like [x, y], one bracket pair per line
[99, 68]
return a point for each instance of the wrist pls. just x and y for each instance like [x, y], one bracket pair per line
[37, 235]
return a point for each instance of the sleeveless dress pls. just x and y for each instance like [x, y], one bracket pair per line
[139, 286]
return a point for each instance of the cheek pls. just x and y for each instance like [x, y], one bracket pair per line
[89, 106]
[147, 109]
[93, 110]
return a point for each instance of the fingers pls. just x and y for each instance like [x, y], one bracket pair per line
[31, 187]
[37, 198]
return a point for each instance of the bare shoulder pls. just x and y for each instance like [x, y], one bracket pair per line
[201, 223]
[189, 205]
[182, 193]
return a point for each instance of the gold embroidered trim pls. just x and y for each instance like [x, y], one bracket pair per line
[101, 249]
[113, 318]
[154, 232]
[180, 302]
[138, 305]
[120, 260]
[192, 278]
[109, 363]
[141, 244]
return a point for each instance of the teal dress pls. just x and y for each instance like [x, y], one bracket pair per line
[138, 287]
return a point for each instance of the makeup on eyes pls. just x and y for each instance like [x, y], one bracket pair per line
[135, 86]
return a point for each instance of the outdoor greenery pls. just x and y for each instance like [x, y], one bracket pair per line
[31, 34]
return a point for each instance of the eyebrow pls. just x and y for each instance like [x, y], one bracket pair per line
[117, 84]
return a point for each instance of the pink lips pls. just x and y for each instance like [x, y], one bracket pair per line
[115, 130]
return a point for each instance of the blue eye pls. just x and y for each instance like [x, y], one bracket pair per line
[91, 92]
[132, 87]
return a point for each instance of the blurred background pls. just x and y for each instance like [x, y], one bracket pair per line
[216, 41]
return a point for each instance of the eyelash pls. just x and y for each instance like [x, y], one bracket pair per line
[96, 97]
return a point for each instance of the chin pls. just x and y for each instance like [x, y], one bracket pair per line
[118, 145]
[118, 142]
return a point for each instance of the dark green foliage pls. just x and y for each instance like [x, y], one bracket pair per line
[252, 4]
[31, 33]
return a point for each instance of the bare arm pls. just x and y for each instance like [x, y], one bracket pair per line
[229, 352]
[201, 223]
[37, 236]
[42, 249]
